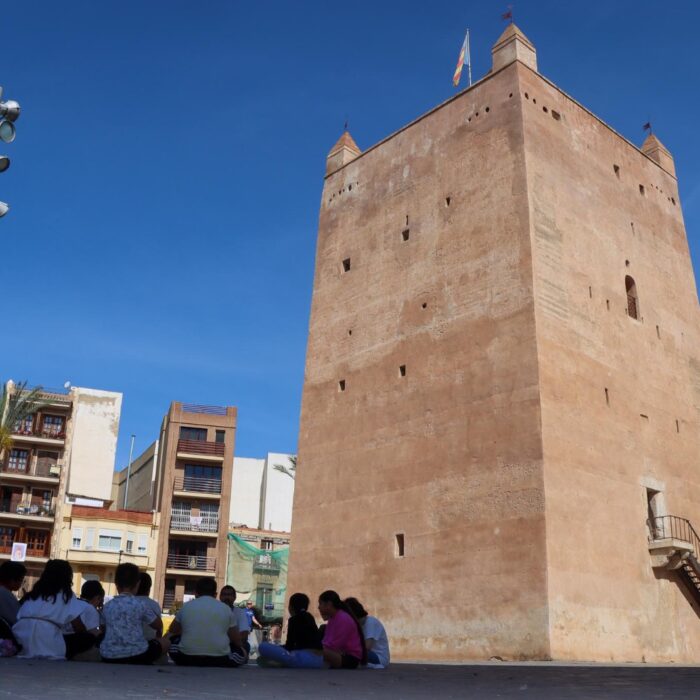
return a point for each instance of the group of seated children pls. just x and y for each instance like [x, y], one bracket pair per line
[349, 638]
[50, 622]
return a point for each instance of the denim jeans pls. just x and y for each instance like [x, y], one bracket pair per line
[290, 659]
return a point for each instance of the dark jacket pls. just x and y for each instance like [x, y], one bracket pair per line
[302, 632]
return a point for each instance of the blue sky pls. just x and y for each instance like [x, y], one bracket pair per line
[166, 176]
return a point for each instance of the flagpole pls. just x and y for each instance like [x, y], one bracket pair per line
[469, 61]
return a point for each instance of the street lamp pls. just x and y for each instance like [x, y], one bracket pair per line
[9, 113]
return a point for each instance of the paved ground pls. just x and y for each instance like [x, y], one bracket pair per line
[95, 681]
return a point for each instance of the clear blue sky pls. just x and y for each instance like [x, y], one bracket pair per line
[167, 171]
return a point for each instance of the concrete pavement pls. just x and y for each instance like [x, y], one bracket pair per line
[94, 681]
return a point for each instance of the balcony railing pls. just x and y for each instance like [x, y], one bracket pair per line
[23, 509]
[194, 524]
[50, 431]
[191, 562]
[673, 527]
[266, 564]
[201, 447]
[208, 410]
[197, 484]
[41, 466]
[31, 551]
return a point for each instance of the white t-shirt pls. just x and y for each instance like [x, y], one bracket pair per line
[374, 630]
[125, 616]
[148, 631]
[39, 626]
[205, 623]
[89, 616]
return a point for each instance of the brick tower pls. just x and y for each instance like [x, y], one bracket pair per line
[499, 440]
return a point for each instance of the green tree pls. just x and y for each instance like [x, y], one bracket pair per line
[14, 409]
[291, 469]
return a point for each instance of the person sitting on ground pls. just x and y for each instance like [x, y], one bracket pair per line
[144, 595]
[124, 617]
[303, 646]
[207, 628]
[343, 640]
[92, 596]
[227, 595]
[376, 640]
[12, 575]
[45, 610]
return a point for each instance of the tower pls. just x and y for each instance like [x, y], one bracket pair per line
[503, 382]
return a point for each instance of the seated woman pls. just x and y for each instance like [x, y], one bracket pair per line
[303, 646]
[343, 640]
[44, 611]
[376, 640]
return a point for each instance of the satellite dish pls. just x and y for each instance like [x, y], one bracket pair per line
[66, 385]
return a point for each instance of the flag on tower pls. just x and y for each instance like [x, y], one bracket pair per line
[647, 127]
[463, 60]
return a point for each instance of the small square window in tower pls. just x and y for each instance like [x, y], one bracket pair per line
[402, 370]
[405, 234]
[399, 548]
[346, 265]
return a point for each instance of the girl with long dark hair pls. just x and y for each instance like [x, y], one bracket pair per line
[343, 640]
[45, 610]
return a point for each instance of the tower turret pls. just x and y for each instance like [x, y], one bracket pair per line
[511, 46]
[344, 151]
[658, 152]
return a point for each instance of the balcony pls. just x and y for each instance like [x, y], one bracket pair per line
[191, 562]
[195, 484]
[266, 564]
[47, 435]
[34, 513]
[201, 450]
[195, 525]
[41, 470]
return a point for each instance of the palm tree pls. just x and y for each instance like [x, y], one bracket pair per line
[15, 407]
[291, 470]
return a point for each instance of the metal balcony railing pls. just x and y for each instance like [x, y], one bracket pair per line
[671, 526]
[194, 524]
[52, 432]
[24, 509]
[201, 447]
[41, 466]
[266, 564]
[197, 484]
[191, 562]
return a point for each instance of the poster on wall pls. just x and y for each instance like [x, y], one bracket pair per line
[19, 551]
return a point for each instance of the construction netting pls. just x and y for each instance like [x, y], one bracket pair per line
[259, 575]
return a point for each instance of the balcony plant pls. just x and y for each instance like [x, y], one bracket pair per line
[15, 407]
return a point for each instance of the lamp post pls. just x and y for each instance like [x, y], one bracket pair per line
[128, 471]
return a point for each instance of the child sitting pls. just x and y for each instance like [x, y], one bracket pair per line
[92, 596]
[124, 616]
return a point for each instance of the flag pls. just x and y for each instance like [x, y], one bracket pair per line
[647, 126]
[507, 15]
[460, 62]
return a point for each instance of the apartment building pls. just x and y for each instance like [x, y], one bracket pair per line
[96, 540]
[63, 452]
[186, 478]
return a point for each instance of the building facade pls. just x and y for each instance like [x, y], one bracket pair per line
[96, 540]
[63, 452]
[261, 494]
[186, 478]
[502, 389]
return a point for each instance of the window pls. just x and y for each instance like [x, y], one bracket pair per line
[143, 544]
[341, 385]
[90, 538]
[111, 540]
[36, 542]
[18, 461]
[399, 552]
[220, 435]
[199, 434]
[7, 537]
[47, 463]
[405, 234]
[346, 265]
[130, 542]
[402, 370]
[632, 300]
[266, 545]
[53, 426]
[616, 168]
[77, 537]
[24, 426]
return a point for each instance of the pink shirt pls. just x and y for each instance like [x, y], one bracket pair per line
[341, 635]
